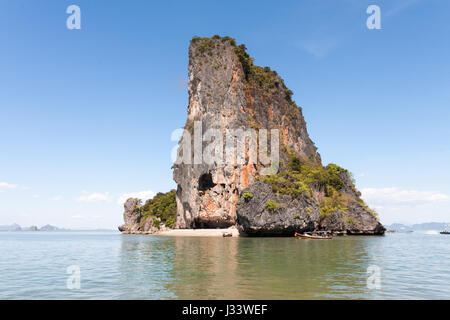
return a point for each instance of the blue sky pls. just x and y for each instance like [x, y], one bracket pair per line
[86, 115]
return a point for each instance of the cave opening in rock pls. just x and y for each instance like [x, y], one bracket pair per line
[205, 182]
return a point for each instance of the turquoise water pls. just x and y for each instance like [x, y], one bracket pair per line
[33, 265]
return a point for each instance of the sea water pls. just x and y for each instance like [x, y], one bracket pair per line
[109, 265]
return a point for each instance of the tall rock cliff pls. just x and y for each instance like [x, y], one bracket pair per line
[227, 92]
[233, 102]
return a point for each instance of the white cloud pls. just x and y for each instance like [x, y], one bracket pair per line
[56, 198]
[9, 186]
[5, 185]
[35, 196]
[408, 206]
[397, 196]
[143, 195]
[77, 216]
[94, 197]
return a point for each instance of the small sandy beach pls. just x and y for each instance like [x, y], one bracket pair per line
[199, 232]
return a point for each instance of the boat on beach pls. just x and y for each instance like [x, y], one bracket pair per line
[314, 235]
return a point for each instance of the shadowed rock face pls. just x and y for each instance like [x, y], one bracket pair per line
[357, 220]
[300, 214]
[223, 96]
[291, 215]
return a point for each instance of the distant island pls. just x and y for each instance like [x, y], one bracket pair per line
[16, 227]
[46, 228]
[420, 227]
[394, 227]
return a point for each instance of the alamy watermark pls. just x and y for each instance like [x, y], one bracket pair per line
[374, 277]
[374, 20]
[227, 147]
[74, 20]
[74, 279]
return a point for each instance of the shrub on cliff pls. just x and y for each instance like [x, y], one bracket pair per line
[162, 206]
[332, 202]
[247, 196]
[272, 205]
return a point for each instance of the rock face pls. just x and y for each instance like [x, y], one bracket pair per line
[156, 214]
[357, 220]
[299, 214]
[228, 94]
[291, 215]
[135, 222]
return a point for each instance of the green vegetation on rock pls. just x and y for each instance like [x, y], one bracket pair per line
[287, 183]
[247, 195]
[205, 45]
[365, 206]
[302, 177]
[264, 77]
[272, 205]
[332, 202]
[162, 207]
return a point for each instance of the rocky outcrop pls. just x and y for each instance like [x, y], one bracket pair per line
[157, 214]
[356, 220]
[132, 216]
[286, 215]
[260, 211]
[228, 93]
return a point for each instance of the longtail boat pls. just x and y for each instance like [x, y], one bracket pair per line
[315, 235]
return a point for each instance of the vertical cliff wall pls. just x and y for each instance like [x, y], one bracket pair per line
[226, 91]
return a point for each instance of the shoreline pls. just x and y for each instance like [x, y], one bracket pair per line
[226, 232]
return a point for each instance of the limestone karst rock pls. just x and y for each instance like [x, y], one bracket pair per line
[245, 158]
[132, 217]
[228, 93]
[154, 215]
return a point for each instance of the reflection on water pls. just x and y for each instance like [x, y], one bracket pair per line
[115, 266]
[275, 268]
[145, 265]
[205, 268]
